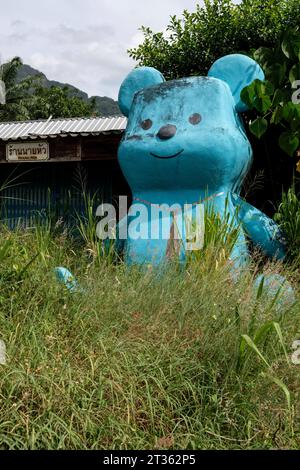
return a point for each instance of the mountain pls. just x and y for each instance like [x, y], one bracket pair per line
[105, 106]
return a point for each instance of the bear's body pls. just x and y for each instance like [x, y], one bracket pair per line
[185, 143]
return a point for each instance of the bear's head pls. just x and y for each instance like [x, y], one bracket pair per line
[186, 133]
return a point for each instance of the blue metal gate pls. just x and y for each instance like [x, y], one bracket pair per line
[30, 192]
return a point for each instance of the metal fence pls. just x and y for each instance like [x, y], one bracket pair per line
[32, 193]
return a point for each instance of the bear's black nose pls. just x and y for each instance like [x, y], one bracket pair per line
[166, 132]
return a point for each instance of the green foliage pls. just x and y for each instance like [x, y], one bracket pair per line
[220, 237]
[288, 218]
[30, 99]
[192, 43]
[104, 106]
[258, 126]
[275, 99]
[57, 102]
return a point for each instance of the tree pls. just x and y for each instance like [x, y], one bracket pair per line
[14, 108]
[276, 100]
[192, 43]
[28, 99]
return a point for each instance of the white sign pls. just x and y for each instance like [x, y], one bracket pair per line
[27, 151]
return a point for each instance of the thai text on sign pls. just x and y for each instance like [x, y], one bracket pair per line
[27, 151]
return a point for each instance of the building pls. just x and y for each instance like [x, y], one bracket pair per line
[49, 165]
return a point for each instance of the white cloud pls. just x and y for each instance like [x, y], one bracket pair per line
[82, 43]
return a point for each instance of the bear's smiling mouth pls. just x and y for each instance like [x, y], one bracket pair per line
[168, 156]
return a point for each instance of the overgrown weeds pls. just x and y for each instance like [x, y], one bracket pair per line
[137, 360]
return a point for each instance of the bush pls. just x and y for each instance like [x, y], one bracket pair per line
[288, 217]
[192, 43]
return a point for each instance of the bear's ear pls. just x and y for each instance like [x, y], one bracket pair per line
[238, 71]
[139, 78]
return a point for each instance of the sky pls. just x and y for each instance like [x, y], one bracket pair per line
[82, 42]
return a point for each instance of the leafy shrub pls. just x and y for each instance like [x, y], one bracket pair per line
[276, 100]
[188, 360]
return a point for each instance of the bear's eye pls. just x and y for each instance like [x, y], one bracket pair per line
[195, 118]
[146, 124]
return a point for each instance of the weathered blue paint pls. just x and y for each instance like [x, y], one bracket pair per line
[185, 142]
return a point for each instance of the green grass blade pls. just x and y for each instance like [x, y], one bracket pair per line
[253, 346]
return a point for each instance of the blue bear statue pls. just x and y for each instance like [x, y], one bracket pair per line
[185, 144]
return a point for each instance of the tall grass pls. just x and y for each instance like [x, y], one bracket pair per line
[288, 217]
[139, 361]
[221, 233]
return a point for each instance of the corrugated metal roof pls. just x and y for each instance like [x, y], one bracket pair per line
[61, 127]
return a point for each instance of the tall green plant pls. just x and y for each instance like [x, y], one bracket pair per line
[16, 93]
[276, 101]
[288, 217]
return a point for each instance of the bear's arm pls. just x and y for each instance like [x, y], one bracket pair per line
[262, 230]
